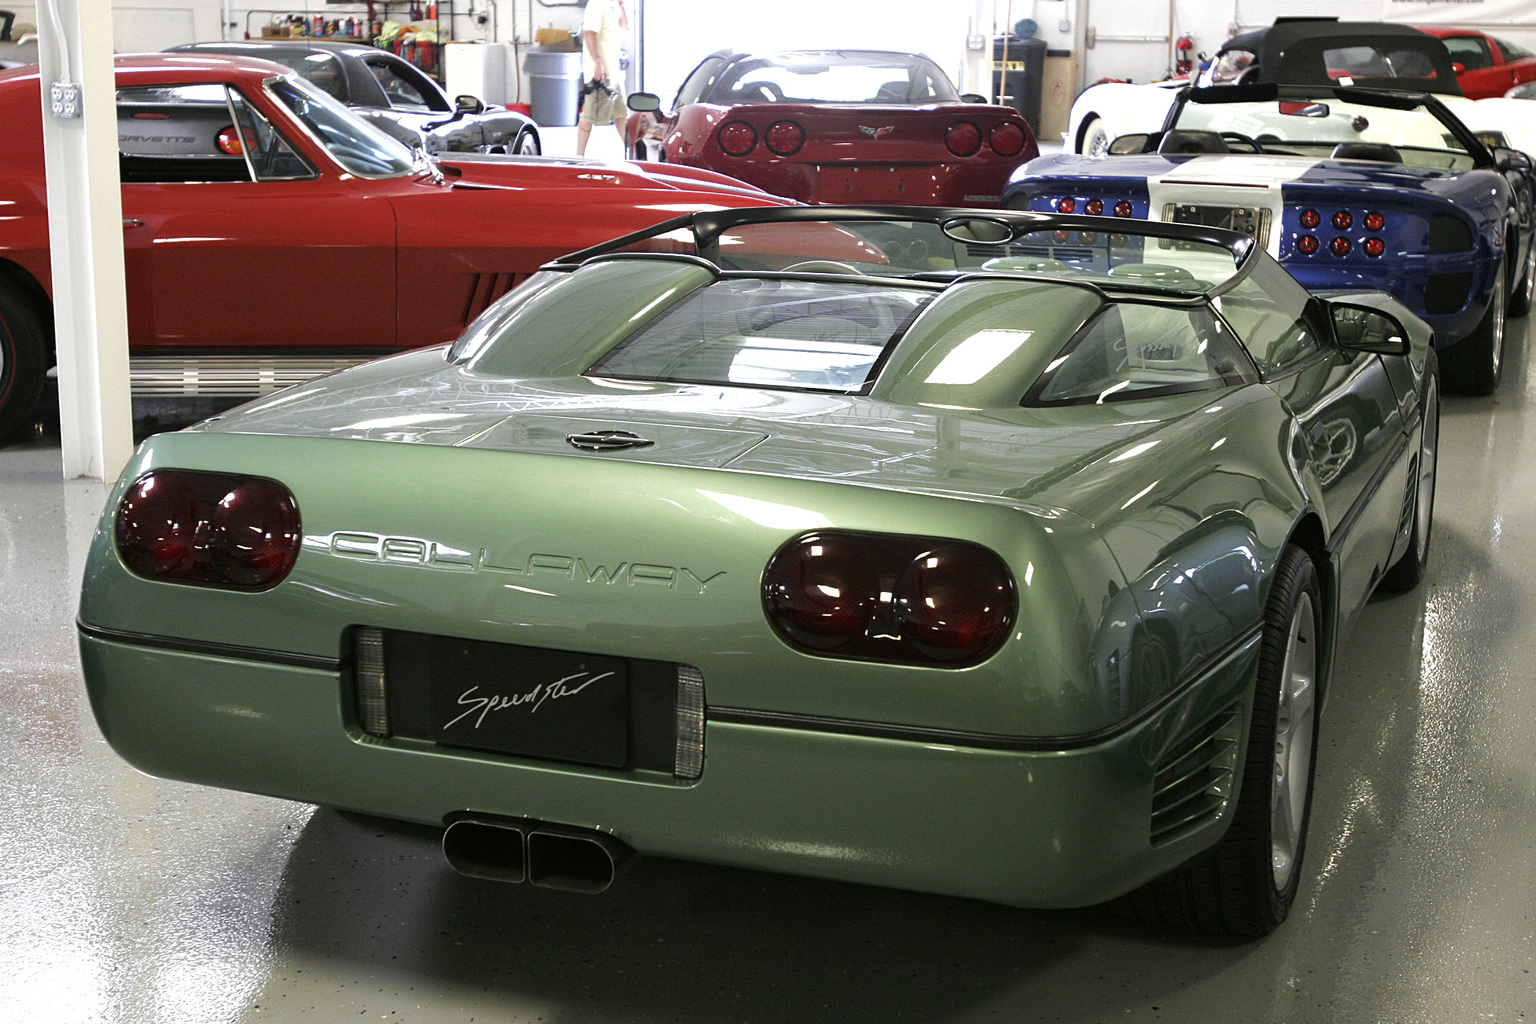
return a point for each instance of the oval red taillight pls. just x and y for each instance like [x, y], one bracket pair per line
[209, 529]
[737, 138]
[1006, 139]
[1123, 208]
[1067, 205]
[784, 138]
[1374, 246]
[1306, 245]
[1310, 219]
[1342, 221]
[1094, 207]
[1375, 222]
[963, 138]
[885, 597]
[1339, 246]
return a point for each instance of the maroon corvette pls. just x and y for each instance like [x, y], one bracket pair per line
[836, 126]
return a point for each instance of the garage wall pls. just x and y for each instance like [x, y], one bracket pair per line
[1130, 38]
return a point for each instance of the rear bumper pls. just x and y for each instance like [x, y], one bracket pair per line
[1039, 827]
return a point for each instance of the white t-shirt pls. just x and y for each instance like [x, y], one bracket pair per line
[602, 17]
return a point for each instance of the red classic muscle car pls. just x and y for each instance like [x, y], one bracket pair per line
[836, 126]
[270, 234]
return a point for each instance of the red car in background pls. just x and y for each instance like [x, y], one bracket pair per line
[1487, 66]
[269, 234]
[836, 126]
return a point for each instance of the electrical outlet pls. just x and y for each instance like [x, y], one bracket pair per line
[64, 100]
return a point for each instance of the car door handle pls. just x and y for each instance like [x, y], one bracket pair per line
[132, 222]
[1318, 433]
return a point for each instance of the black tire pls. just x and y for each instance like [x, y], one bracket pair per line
[1408, 570]
[1246, 883]
[1474, 366]
[23, 360]
[1521, 301]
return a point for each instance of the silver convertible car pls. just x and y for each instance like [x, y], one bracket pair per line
[1001, 555]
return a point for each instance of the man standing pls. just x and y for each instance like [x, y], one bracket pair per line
[602, 81]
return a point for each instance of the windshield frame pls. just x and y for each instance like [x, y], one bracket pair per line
[415, 162]
[1482, 158]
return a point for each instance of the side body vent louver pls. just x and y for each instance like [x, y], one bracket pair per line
[1194, 778]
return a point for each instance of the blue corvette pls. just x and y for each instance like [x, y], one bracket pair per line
[1348, 188]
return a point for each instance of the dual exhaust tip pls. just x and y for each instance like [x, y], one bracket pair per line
[549, 856]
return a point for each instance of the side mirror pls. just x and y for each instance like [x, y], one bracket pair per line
[1458, 67]
[1362, 329]
[644, 102]
[1128, 144]
[1511, 160]
[974, 97]
[468, 104]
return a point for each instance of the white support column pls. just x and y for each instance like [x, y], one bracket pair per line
[85, 228]
[978, 61]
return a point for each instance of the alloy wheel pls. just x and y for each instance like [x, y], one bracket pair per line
[1295, 719]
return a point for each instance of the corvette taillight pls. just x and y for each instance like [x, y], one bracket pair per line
[1342, 221]
[1339, 246]
[1006, 139]
[886, 597]
[1067, 205]
[1375, 222]
[1123, 208]
[208, 529]
[963, 138]
[737, 138]
[1306, 245]
[1310, 219]
[1374, 246]
[1094, 207]
[229, 142]
[784, 138]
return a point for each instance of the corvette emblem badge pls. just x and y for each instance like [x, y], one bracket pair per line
[876, 133]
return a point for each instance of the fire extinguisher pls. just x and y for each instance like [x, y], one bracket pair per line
[1184, 61]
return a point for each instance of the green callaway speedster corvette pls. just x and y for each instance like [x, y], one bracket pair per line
[1003, 555]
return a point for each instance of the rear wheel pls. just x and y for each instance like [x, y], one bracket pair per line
[527, 143]
[1246, 883]
[1408, 570]
[1094, 138]
[1474, 366]
[23, 360]
[1525, 291]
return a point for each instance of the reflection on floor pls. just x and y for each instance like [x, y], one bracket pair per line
[128, 899]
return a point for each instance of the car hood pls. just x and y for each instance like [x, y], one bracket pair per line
[1068, 457]
[507, 171]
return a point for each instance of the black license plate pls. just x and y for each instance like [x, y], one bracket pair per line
[530, 702]
[1233, 218]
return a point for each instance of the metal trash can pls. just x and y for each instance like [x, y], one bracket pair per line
[1016, 78]
[554, 79]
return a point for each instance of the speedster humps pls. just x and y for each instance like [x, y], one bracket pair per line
[1348, 188]
[1002, 555]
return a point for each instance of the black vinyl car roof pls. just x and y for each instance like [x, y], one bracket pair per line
[1291, 51]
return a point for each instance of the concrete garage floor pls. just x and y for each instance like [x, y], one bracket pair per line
[127, 899]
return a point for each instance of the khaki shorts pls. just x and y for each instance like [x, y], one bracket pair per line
[599, 107]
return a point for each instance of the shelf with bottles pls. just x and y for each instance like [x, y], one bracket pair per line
[423, 28]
